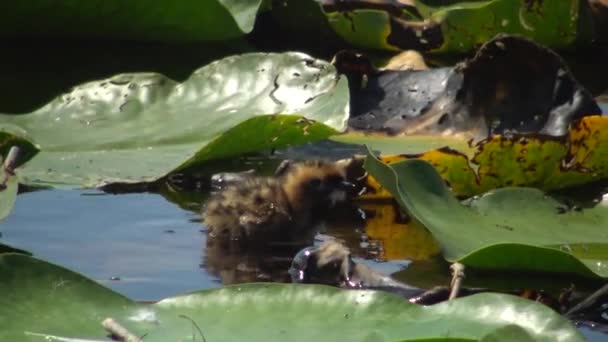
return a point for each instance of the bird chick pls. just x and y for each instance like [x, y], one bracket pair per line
[284, 208]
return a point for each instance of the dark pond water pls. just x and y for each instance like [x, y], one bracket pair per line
[155, 248]
[152, 245]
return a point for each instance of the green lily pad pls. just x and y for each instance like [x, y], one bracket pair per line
[27, 150]
[134, 128]
[397, 145]
[8, 249]
[40, 300]
[185, 21]
[458, 27]
[508, 229]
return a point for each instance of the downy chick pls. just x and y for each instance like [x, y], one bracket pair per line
[284, 209]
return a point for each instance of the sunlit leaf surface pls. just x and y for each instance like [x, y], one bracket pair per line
[44, 299]
[509, 229]
[133, 128]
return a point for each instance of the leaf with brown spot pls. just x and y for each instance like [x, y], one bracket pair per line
[458, 27]
[538, 161]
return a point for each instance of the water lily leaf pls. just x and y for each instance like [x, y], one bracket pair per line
[133, 128]
[510, 228]
[543, 162]
[47, 300]
[8, 249]
[27, 150]
[415, 144]
[458, 27]
[185, 21]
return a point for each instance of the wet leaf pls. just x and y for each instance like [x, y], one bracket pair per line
[538, 161]
[185, 21]
[458, 27]
[49, 300]
[8, 249]
[509, 229]
[26, 149]
[134, 128]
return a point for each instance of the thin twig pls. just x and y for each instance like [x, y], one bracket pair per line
[588, 302]
[119, 331]
[194, 325]
[457, 277]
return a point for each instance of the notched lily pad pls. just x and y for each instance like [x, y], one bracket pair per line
[134, 128]
[510, 228]
[511, 85]
[68, 305]
[390, 25]
[458, 27]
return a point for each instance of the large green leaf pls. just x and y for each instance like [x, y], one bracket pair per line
[509, 228]
[134, 128]
[26, 149]
[49, 300]
[457, 27]
[8, 249]
[182, 21]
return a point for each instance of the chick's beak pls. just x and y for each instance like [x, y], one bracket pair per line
[346, 186]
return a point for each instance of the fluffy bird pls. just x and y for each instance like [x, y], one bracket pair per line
[286, 208]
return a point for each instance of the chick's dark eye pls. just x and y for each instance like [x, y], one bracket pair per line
[314, 183]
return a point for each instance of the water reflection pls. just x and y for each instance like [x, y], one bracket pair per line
[112, 236]
[233, 263]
